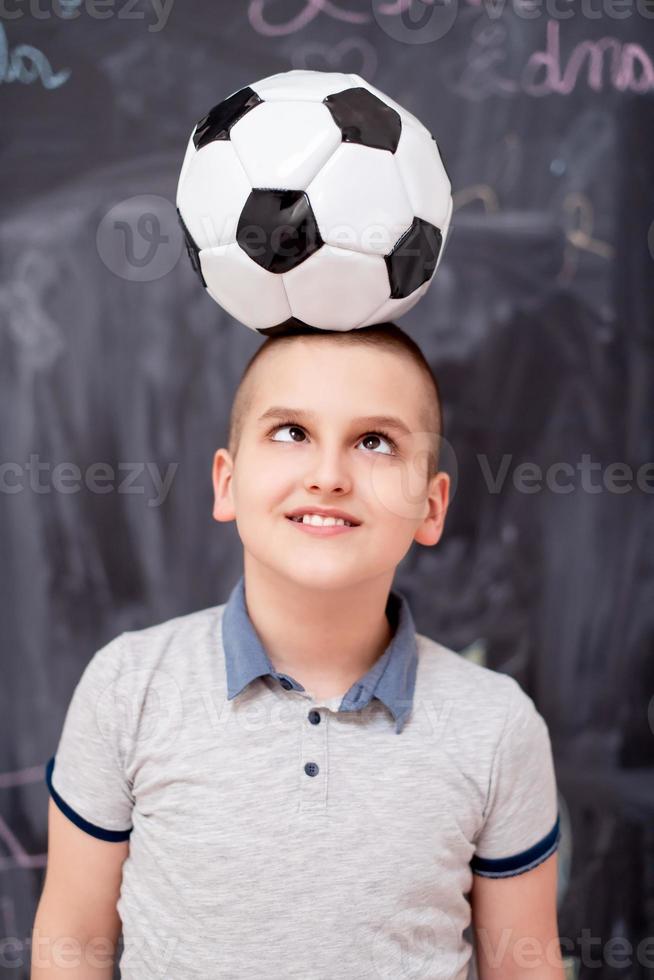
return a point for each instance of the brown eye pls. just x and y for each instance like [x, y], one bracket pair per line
[379, 438]
[291, 428]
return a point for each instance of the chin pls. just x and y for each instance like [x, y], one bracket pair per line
[318, 574]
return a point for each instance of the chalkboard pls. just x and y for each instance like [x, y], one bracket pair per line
[117, 372]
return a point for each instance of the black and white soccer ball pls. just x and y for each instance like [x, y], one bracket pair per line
[311, 199]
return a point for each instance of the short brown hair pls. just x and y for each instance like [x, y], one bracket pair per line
[384, 336]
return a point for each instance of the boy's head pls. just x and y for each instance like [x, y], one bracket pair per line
[328, 448]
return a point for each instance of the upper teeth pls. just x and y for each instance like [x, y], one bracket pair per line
[321, 521]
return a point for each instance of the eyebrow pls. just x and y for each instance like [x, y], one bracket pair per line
[366, 421]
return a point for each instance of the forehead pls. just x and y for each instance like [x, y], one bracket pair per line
[338, 379]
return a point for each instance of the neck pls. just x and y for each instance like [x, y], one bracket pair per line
[326, 639]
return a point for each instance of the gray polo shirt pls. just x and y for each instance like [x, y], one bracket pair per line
[276, 834]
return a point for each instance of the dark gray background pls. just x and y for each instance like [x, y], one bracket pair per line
[538, 325]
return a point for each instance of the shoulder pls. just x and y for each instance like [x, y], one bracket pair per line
[438, 663]
[139, 682]
[481, 700]
[165, 654]
[178, 630]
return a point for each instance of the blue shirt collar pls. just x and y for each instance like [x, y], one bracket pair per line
[391, 678]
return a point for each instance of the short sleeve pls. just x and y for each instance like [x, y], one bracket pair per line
[521, 819]
[86, 776]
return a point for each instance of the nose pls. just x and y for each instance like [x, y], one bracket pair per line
[328, 471]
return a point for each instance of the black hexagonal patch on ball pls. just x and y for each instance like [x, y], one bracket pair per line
[191, 248]
[277, 229]
[365, 119]
[219, 120]
[413, 258]
[290, 327]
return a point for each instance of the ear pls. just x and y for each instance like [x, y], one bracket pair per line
[438, 494]
[221, 476]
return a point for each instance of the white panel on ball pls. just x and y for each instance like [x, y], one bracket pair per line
[423, 175]
[310, 86]
[393, 308]
[251, 294]
[284, 144]
[212, 194]
[335, 287]
[359, 201]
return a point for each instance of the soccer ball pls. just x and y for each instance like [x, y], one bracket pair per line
[311, 199]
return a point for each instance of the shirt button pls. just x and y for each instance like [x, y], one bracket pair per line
[311, 768]
[314, 717]
[284, 681]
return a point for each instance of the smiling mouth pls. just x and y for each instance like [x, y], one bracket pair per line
[337, 522]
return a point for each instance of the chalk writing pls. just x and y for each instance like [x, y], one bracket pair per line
[631, 69]
[25, 63]
[480, 77]
[15, 854]
[310, 9]
[476, 192]
[579, 222]
[578, 219]
[546, 72]
[314, 55]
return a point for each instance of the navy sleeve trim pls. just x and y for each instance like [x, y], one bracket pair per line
[518, 863]
[90, 828]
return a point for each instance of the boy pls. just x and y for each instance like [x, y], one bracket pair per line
[295, 783]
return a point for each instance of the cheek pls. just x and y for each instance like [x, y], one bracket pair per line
[263, 480]
[399, 489]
